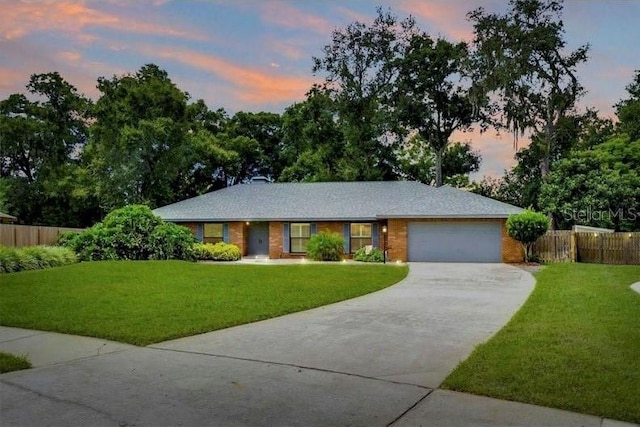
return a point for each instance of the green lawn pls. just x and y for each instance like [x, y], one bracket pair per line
[9, 362]
[142, 302]
[574, 345]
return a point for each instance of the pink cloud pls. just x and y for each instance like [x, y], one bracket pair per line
[12, 80]
[497, 150]
[353, 15]
[21, 18]
[250, 85]
[283, 15]
[447, 16]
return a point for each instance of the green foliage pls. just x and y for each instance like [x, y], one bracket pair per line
[9, 363]
[628, 110]
[68, 238]
[216, 252]
[40, 143]
[34, 258]
[325, 247]
[597, 187]
[432, 95]
[172, 241]
[521, 60]
[417, 162]
[135, 233]
[526, 228]
[375, 255]
[359, 69]
[9, 260]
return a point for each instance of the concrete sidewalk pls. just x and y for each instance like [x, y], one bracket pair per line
[376, 360]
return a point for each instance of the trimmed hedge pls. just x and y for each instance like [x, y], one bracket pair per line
[375, 255]
[34, 258]
[325, 247]
[216, 252]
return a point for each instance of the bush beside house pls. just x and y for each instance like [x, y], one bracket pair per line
[131, 233]
[325, 247]
[374, 255]
[526, 228]
[216, 252]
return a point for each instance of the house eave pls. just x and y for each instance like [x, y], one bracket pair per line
[472, 216]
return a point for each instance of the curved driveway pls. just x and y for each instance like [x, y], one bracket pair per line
[364, 362]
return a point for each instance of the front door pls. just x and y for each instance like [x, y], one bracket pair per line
[258, 238]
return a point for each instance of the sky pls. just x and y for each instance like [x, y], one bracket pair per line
[256, 55]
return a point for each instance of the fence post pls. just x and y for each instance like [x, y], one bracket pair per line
[573, 247]
[601, 240]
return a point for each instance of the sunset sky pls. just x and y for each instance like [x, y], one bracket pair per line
[256, 55]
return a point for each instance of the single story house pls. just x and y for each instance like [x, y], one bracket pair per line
[416, 222]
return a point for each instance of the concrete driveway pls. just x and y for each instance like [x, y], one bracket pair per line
[370, 361]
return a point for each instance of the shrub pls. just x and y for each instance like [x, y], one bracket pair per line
[375, 255]
[171, 241]
[9, 260]
[325, 247]
[133, 233]
[216, 252]
[34, 258]
[526, 228]
[68, 239]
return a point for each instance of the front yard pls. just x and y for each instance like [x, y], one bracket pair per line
[143, 302]
[574, 345]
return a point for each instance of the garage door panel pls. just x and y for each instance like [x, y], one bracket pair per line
[454, 241]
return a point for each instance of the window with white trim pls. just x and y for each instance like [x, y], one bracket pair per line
[299, 235]
[360, 234]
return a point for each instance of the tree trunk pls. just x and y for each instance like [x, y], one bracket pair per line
[439, 155]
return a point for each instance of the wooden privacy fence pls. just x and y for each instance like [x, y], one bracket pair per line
[30, 235]
[602, 248]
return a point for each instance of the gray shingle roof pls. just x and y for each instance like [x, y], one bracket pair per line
[325, 201]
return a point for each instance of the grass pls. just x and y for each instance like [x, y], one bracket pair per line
[143, 302]
[9, 362]
[574, 345]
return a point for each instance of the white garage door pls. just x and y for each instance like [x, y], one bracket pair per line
[454, 241]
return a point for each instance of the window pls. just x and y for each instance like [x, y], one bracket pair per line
[300, 234]
[212, 233]
[360, 236]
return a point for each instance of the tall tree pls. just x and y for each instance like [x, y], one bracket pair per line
[599, 186]
[359, 72]
[521, 58]
[416, 161]
[146, 141]
[628, 110]
[312, 140]
[262, 155]
[40, 143]
[431, 97]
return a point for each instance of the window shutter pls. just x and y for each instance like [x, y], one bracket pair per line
[313, 229]
[225, 232]
[199, 232]
[374, 234]
[285, 237]
[345, 235]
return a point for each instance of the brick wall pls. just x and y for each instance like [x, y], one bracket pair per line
[397, 240]
[190, 225]
[275, 240]
[238, 236]
[511, 250]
